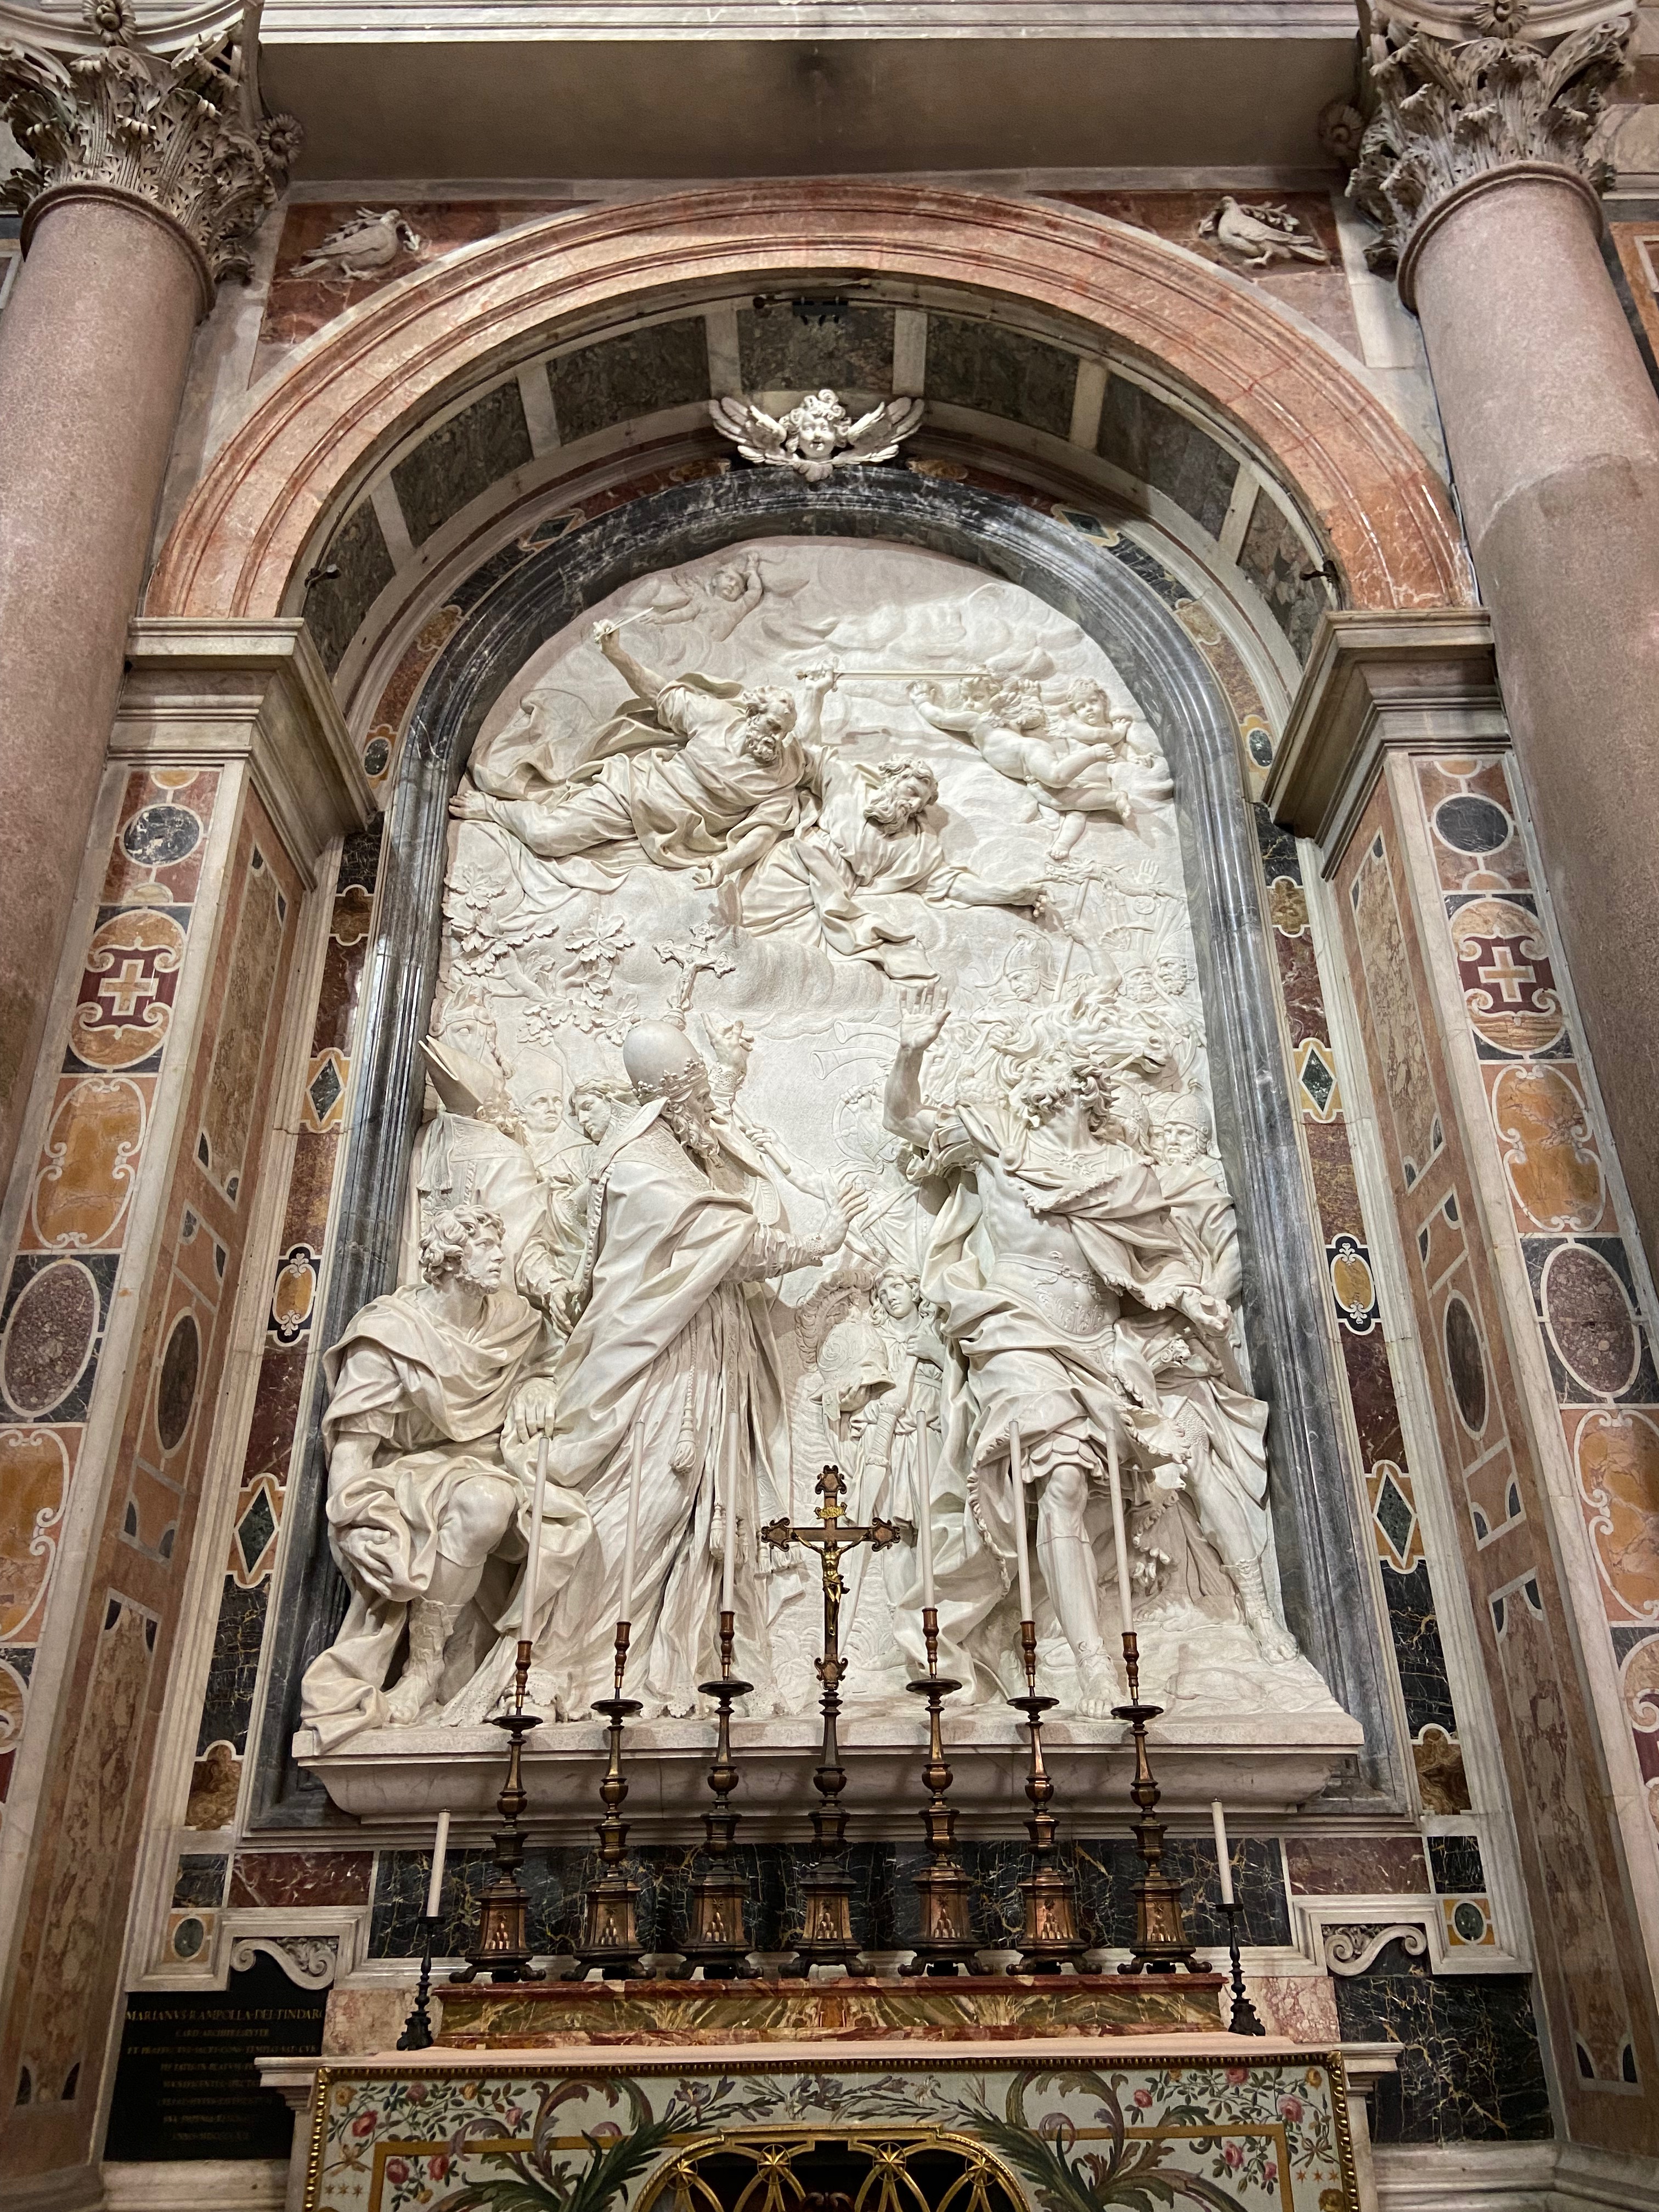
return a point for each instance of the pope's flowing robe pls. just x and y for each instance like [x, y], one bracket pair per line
[671, 1348]
[435, 1397]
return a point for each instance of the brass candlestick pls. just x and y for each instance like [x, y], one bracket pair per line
[1049, 1938]
[716, 1940]
[611, 1937]
[827, 1938]
[1160, 1945]
[504, 1945]
[947, 1943]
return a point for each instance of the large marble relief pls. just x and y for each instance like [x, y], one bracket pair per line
[817, 1071]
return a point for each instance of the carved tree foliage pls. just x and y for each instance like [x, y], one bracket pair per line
[1450, 111]
[181, 131]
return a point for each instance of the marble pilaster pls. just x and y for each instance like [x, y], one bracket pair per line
[1505, 1194]
[139, 1238]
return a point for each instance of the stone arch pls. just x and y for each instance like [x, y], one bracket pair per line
[283, 479]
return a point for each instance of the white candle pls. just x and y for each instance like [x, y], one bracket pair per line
[925, 1522]
[1022, 1544]
[1120, 1539]
[1223, 1859]
[435, 1888]
[532, 1565]
[631, 1542]
[729, 1546]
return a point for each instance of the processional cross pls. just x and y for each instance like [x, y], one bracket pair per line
[827, 1938]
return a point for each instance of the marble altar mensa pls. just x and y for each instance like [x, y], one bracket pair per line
[818, 1073]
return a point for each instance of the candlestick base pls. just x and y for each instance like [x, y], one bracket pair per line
[714, 1939]
[1244, 2019]
[826, 1933]
[504, 1946]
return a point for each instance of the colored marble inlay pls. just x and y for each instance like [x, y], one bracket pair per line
[1391, 887]
[56, 1304]
[1408, 1587]
[233, 1673]
[1469, 2067]
[1585, 1303]
[177, 1290]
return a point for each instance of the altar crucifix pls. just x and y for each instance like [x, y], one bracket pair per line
[826, 1938]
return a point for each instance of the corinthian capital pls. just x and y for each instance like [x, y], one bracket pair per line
[1451, 110]
[181, 132]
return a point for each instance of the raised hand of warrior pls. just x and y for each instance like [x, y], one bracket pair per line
[922, 1015]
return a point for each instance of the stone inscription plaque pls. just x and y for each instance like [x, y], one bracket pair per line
[187, 2087]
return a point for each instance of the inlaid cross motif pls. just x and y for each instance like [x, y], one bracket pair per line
[125, 992]
[1511, 979]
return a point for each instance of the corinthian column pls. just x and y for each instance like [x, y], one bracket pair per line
[146, 175]
[1479, 165]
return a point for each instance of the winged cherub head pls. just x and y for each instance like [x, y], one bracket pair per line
[817, 425]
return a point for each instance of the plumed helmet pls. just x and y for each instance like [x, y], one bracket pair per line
[654, 1053]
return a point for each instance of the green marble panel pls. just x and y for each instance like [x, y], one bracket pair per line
[666, 366]
[1001, 372]
[463, 457]
[1158, 446]
[336, 605]
[780, 352]
[1274, 559]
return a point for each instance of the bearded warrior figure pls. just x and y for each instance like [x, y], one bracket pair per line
[1082, 1313]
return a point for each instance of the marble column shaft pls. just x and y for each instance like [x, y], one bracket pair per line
[94, 345]
[1553, 427]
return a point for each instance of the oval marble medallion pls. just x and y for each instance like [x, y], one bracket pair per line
[1470, 823]
[1465, 1364]
[1618, 1477]
[91, 1150]
[126, 1003]
[156, 836]
[175, 1393]
[34, 1479]
[1549, 1155]
[49, 1337]
[1589, 1320]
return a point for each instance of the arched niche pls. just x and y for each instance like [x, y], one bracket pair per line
[1320, 1547]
